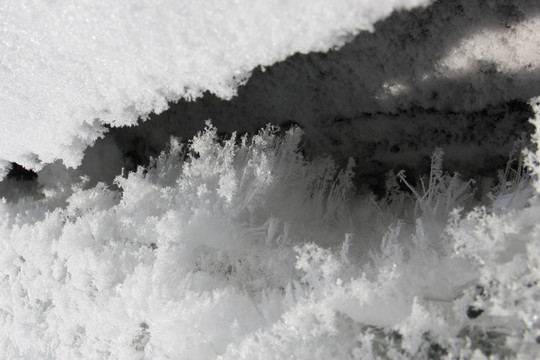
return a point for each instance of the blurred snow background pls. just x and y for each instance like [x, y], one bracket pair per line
[301, 240]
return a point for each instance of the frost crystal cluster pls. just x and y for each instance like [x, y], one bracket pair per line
[261, 245]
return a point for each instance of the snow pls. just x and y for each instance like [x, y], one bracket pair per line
[256, 246]
[69, 68]
[344, 91]
[247, 250]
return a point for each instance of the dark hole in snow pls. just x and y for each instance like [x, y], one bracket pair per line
[436, 351]
[473, 312]
[18, 183]
[19, 173]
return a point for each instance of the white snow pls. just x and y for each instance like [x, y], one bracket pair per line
[242, 247]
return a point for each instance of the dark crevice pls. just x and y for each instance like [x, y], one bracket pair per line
[19, 173]
[18, 183]
[476, 143]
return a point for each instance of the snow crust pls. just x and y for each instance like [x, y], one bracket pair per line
[70, 68]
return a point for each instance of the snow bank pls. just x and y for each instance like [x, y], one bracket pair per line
[70, 68]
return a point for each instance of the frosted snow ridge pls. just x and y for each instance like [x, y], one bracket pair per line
[263, 245]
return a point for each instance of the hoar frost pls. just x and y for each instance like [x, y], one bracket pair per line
[243, 249]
